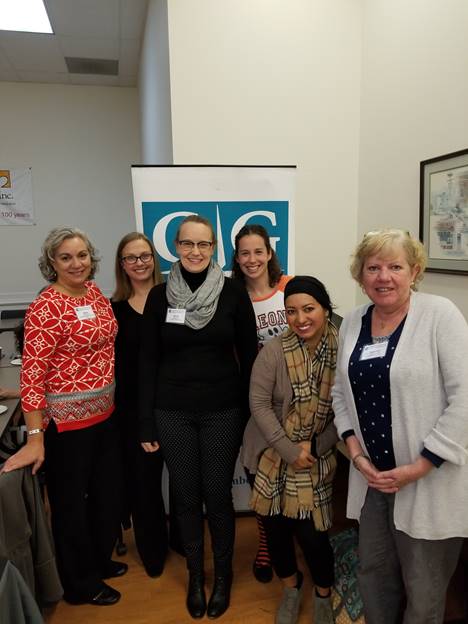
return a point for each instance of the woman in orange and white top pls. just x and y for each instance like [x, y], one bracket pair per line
[256, 264]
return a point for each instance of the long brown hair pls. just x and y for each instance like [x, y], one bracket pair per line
[274, 269]
[123, 286]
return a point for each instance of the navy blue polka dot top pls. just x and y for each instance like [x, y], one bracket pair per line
[370, 382]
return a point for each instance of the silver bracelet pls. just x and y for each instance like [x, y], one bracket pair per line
[34, 431]
[363, 455]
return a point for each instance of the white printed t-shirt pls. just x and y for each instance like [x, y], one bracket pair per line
[270, 314]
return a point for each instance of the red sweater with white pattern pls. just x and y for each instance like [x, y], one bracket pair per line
[68, 360]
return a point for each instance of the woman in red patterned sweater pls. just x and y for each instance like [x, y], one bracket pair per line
[67, 394]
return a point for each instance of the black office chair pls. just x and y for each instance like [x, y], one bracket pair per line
[12, 314]
[336, 320]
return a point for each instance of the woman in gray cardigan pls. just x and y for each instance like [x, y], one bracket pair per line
[401, 404]
[287, 447]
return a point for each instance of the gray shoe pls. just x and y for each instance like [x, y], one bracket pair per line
[323, 612]
[288, 611]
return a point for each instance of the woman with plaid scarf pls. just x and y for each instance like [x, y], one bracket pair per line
[288, 445]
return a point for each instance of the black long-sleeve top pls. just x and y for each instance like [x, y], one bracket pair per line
[192, 370]
[127, 350]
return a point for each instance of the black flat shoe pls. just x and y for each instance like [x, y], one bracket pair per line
[107, 596]
[114, 569]
[263, 573]
[219, 600]
[153, 571]
[120, 548]
[196, 600]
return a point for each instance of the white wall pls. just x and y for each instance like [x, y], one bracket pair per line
[260, 83]
[80, 142]
[277, 83]
[414, 107]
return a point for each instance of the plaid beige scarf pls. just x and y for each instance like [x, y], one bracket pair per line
[279, 488]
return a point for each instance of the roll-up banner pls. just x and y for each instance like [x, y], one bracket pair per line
[230, 197]
[16, 197]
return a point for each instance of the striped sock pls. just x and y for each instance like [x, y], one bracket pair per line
[263, 556]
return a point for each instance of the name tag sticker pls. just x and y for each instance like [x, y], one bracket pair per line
[371, 351]
[175, 315]
[83, 313]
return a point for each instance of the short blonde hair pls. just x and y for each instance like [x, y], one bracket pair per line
[53, 241]
[384, 242]
[196, 218]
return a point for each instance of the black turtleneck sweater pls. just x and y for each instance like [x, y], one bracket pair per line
[196, 370]
[194, 280]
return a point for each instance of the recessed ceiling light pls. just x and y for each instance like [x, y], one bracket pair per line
[24, 16]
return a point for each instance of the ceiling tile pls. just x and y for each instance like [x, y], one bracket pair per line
[89, 47]
[129, 56]
[84, 79]
[44, 77]
[100, 29]
[32, 52]
[128, 81]
[8, 75]
[132, 18]
[87, 18]
[5, 64]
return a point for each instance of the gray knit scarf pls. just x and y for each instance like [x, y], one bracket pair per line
[200, 305]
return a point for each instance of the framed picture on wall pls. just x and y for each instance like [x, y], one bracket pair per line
[443, 217]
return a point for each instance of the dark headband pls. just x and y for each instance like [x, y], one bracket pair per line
[310, 286]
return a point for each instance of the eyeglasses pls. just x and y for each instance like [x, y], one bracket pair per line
[188, 245]
[145, 258]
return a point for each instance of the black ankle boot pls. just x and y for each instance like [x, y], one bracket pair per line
[219, 600]
[196, 601]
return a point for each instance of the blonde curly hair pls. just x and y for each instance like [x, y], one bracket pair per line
[384, 242]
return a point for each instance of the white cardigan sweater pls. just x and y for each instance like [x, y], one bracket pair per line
[429, 400]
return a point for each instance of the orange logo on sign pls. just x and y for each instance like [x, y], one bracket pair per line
[5, 178]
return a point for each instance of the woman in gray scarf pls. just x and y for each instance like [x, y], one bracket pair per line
[199, 345]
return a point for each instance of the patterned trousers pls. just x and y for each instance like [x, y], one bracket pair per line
[200, 450]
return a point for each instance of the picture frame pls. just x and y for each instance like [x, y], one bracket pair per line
[443, 212]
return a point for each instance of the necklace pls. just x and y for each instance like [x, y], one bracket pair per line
[82, 292]
[392, 320]
[380, 322]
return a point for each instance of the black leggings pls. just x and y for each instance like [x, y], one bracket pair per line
[200, 450]
[318, 553]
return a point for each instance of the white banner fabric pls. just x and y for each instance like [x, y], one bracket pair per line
[230, 197]
[16, 197]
